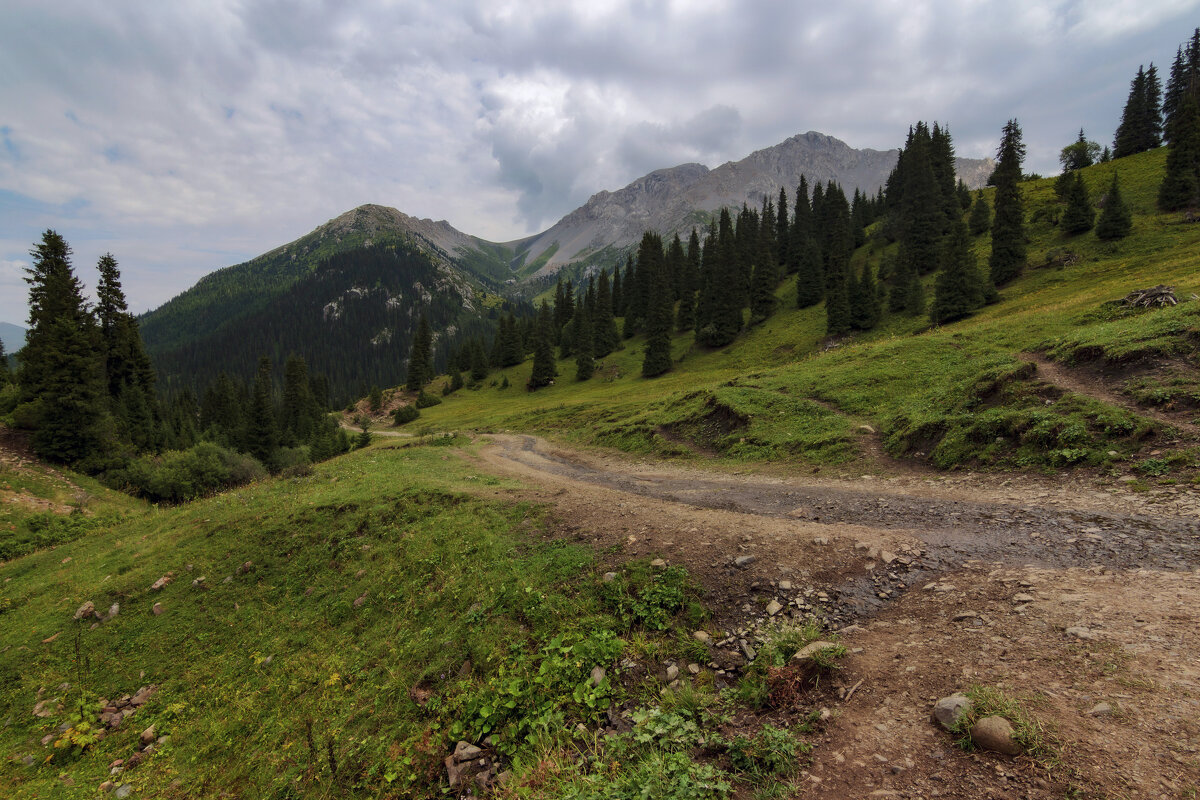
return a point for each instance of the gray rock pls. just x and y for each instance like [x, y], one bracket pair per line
[995, 734]
[785, 586]
[806, 657]
[949, 710]
[1080, 632]
[465, 751]
[113, 610]
[672, 672]
[1100, 710]
[609, 577]
[964, 615]
[157, 609]
[148, 735]
[658, 563]
[748, 651]
[741, 562]
[597, 676]
[702, 637]
[358, 601]
[774, 607]
[124, 790]
[85, 610]
[198, 582]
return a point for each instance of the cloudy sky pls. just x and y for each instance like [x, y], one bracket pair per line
[188, 135]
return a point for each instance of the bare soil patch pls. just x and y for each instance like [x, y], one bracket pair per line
[902, 558]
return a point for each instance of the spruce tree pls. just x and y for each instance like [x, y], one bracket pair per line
[658, 323]
[725, 321]
[61, 373]
[800, 231]
[958, 289]
[299, 415]
[1080, 215]
[420, 358]
[478, 361]
[981, 215]
[1008, 222]
[1141, 119]
[764, 278]
[707, 289]
[585, 365]
[128, 372]
[544, 370]
[810, 275]
[865, 310]
[618, 299]
[1181, 184]
[685, 319]
[5, 373]
[1115, 220]
[783, 239]
[838, 247]
[605, 336]
[262, 435]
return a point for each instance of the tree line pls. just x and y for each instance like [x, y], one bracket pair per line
[88, 394]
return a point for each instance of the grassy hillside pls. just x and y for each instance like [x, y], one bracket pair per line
[334, 636]
[959, 394]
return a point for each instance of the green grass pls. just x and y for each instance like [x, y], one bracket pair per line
[952, 395]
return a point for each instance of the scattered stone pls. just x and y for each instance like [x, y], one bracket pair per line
[774, 607]
[358, 601]
[785, 586]
[609, 577]
[246, 566]
[1080, 632]
[47, 739]
[107, 786]
[161, 582]
[124, 790]
[1023, 597]
[965, 615]
[658, 563]
[995, 734]
[228, 579]
[702, 637]
[948, 711]
[805, 658]
[142, 695]
[85, 610]
[693, 668]
[887, 557]
[113, 610]
[308, 592]
[1100, 710]
[148, 735]
[672, 673]
[45, 708]
[749, 652]
[597, 675]
[741, 562]
[820, 540]
[157, 609]
[198, 581]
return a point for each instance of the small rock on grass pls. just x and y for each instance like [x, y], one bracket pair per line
[995, 734]
[703, 637]
[741, 562]
[1100, 710]
[1080, 632]
[949, 710]
[157, 609]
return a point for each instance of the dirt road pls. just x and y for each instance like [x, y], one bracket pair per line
[945, 582]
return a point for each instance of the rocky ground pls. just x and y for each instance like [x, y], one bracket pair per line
[1076, 596]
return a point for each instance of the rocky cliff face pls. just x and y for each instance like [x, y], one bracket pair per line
[673, 200]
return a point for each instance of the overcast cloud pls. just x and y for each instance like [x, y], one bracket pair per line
[190, 135]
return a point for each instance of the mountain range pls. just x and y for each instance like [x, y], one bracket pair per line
[215, 324]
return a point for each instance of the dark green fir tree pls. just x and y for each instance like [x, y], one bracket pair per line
[1008, 221]
[1181, 185]
[659, 315]
[958, 289]
[585, 365]
[420, 358]
[1080, 214]
[981, 215]
[544, 370]
[1115, 222]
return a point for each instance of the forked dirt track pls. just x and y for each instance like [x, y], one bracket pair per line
[939, 584]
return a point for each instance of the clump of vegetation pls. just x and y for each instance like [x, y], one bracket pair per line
[1035, 737]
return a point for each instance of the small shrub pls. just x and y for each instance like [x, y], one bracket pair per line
[405, 414]
[425, 400]
[770, 752]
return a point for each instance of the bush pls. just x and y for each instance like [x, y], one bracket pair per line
[405, 414]
[181, 475]
[426, 400]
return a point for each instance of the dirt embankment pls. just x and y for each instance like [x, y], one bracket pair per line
[946, 583]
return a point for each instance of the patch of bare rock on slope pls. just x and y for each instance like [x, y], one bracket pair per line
[1079, 600]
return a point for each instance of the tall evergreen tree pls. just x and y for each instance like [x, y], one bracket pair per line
[420, 358]
[838, 246]
[1115, 220]
[1080, 215]
[1184, 80]
[959, 287]
[544, 370]
[1008, 222]
[800, 231]
[61, 373]
[865, 310]
[605, 334]
[782, 233]
[128, 372]
[689, 282]
[1141, 120]
[765, 275]
[617, 294]
[585, 365]
[1181, 184]
[299, 415]
[262, 434]
[981, 215]
[725, 320]
[810, 276]
[658, 322]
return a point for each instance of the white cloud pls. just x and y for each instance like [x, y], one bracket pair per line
[233, 126]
